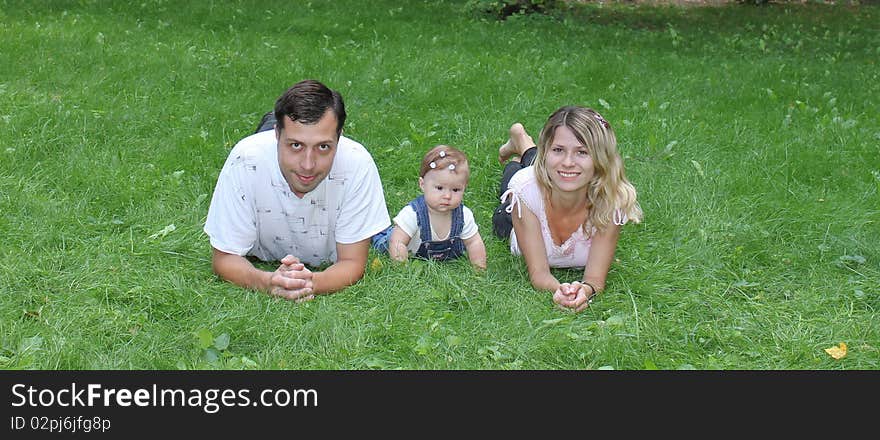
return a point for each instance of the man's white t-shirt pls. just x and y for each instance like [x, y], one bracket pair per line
[409, 223]
[254, 212]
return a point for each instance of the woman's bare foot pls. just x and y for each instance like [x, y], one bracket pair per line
[517, 144]
[505, 151]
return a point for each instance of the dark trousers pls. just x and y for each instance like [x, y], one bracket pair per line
[267, 123]
[502, 223]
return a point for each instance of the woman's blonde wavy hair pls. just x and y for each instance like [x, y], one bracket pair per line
[609, 189]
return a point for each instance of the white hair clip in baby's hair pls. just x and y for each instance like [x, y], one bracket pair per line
[443, 153]
[433, 165]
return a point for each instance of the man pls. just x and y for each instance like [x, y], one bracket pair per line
[302, 194]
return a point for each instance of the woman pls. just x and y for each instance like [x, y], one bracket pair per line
[565, 200]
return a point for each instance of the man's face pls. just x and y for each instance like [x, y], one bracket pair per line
[306, 151]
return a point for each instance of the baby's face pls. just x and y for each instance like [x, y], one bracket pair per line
[443, 189]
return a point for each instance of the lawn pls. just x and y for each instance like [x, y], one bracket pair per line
[752, 135]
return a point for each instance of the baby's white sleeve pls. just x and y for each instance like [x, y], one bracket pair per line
[407, 220]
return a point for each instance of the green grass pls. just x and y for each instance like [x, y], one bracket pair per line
[751, 133]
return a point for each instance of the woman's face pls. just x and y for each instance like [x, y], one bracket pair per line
[568, 162]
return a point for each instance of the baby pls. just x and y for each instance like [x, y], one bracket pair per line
[436, 225]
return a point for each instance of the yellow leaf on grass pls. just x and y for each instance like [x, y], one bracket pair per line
[838, 352]
[376, 265]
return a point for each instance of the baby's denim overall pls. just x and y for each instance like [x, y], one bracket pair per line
[452, 247]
